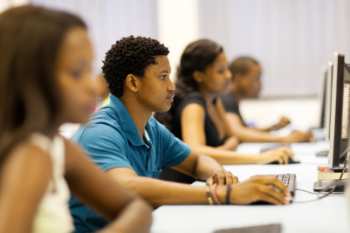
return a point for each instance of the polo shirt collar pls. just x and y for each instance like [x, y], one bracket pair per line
[125, 120]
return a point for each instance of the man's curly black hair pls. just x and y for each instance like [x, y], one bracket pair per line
[130, 55]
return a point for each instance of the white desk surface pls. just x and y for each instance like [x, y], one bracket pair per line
[328, 215]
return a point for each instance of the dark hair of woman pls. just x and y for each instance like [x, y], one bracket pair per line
[29, 97]
[197, 56]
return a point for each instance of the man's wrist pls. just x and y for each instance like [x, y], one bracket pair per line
[255, 159]
[217, 170]
[284, 139]
[221, 191]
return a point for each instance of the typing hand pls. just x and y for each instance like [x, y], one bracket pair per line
[257, 188]
[280, 155]
[222, 177]
[298, 136]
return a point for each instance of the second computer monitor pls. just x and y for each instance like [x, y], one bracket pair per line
[340, 110]
[323, 90]
[328, 101]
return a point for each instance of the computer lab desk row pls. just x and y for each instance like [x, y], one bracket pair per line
[328, 215]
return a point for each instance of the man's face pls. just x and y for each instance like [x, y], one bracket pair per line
[250, 84]
[157, 90]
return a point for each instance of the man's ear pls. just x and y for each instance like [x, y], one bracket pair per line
[238, 77]
[131, 82]
[198, 76]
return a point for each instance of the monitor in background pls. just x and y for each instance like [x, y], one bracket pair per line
[327, 114]
[319, 132]
[340, 110]
[322, 96]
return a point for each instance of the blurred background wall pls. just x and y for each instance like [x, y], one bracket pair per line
[292, 39]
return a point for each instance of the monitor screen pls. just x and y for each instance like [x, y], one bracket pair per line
[340, 107]
[327, 117]
[323, 96]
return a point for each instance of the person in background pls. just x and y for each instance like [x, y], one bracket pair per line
[102, 91]
[45, 80]
[133, 148]
[246, 83]
[197, 115]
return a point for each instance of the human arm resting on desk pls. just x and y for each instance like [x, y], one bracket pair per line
[158, 192]
[193, 134]
[246, 134]
[164, 192]
[284, 121]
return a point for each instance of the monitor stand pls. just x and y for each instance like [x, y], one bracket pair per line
[338, 169]
[323, 153]
[327, 185]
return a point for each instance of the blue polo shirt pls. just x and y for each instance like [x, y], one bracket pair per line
[112, 140]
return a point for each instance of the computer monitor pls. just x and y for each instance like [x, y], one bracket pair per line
[340, 110]
[322, 96]
[327, 114]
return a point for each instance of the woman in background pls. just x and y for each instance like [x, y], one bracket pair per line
[45, 80]
[198, 116]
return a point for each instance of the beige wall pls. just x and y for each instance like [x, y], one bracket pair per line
[178, 25]
[4, 4]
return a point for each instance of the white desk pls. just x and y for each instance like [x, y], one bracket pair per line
[328, 215]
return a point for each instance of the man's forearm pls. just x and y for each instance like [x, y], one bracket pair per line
[158, 192]
[254, 135]
[206, 167]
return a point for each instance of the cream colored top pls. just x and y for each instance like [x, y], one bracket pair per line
[53, 214]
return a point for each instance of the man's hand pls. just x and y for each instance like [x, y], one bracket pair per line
[284, 121]
[298, 136]
[222, 177]
[280, 155]
[257, 188]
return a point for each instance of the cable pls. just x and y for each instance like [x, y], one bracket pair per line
[316, 193]
[335, 185]
[307, 191]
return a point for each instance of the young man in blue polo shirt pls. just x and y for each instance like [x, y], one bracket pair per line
[133, 148]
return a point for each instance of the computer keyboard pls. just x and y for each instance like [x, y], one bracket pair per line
[288, 180]
[272, 228]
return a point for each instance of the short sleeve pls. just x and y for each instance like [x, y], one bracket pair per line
[193, 98]
[229, 103]
[105, 144]
[174, 151]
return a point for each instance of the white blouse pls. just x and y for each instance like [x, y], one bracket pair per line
[53, 215]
